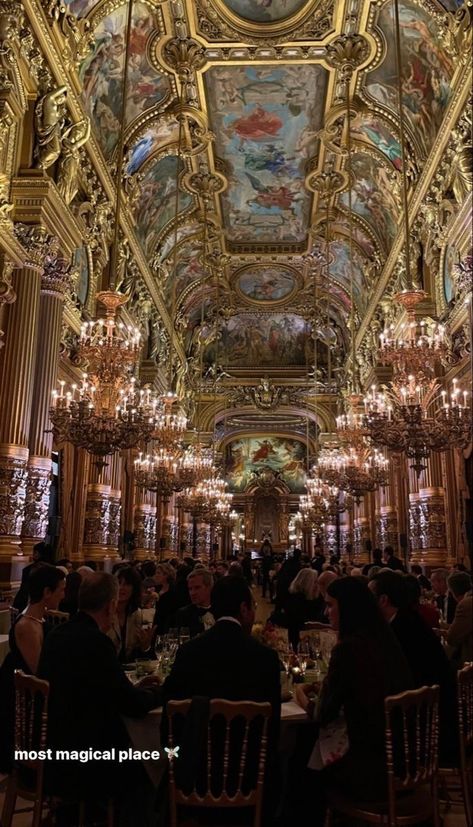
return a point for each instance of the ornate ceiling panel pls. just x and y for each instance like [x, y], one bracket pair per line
[157, 203]
[374, 197]
[265, 120]
[248, 456]
[426, 71]
[264, 11]
[266, 284]
[263, 340]
[101, 71]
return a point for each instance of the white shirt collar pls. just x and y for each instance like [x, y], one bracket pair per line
[228, 617]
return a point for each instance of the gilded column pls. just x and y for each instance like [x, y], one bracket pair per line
[115, 505]
[330, 539]
[432, 516]
[346, 529]
[16, 388]
[361, 531]
[54, 284]
[387, 533]
[415, 532]
[144, 525]
[97, 512]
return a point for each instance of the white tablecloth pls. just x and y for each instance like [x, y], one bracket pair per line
[4, 648]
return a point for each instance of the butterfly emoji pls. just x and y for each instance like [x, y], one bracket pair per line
[172, 752]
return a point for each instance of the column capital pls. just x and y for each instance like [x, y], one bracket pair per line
[37, 243]
[57, 277]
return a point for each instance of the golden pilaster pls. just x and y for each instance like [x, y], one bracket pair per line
[54, 283]
[361, 531]
[21, 325]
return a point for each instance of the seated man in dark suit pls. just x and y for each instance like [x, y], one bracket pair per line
[89, 692]
[197, 615]
[423, 651]
[444, 600]
[225, 661]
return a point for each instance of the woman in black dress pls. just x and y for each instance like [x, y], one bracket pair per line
[46, 590]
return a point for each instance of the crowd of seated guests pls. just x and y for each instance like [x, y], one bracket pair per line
[393, 634]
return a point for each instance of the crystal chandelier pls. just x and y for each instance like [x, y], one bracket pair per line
[355, 471]
[417, 348]
[107, 412]
[418, 419]
[170, 423]
[157, 472]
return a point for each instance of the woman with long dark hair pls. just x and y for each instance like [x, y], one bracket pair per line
[366, 665]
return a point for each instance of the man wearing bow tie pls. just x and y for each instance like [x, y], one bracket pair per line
[197, 616]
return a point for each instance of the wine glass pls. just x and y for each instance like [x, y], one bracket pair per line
[184, 635]
[303, 655]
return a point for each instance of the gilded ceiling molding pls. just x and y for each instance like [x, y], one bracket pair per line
[215, 22]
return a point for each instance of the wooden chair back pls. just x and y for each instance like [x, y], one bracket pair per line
[411, 742]
[465, 724]
[31, 722]
[56, 617]
[31, 718]
[236, 746]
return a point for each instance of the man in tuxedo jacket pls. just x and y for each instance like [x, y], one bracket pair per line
[422, 649]
[460, 632]
[197, 615]
[89, 693]
[444, 600]
[227, 662]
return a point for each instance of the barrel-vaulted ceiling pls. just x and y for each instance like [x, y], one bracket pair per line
[265, 117]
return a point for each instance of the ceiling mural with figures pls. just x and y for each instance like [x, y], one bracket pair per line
[247, 456]
[101, 73]
[426, 71]
[265, 121]
[274, 340]
[265, 11]
[263, 283]
[156, 206]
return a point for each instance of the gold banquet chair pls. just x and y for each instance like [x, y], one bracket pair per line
[55, 617]
[226, 755]
[31, 721]
[411, 762]
[465, 724]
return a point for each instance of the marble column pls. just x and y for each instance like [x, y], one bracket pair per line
[16, 389]
[54, 283]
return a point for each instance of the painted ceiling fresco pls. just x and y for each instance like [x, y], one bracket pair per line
[275, 340]
[340, 269]
[426, 71]
[264, 11]
[264, 284]
[371, 130]
[248, 455]
[189, 266]
[157, 204]
[372, 197]
[265, 120]
[81, 8]
[102, 74]
[158, 135]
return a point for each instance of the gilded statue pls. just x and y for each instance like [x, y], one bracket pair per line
[49, 123]
[73, 138]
